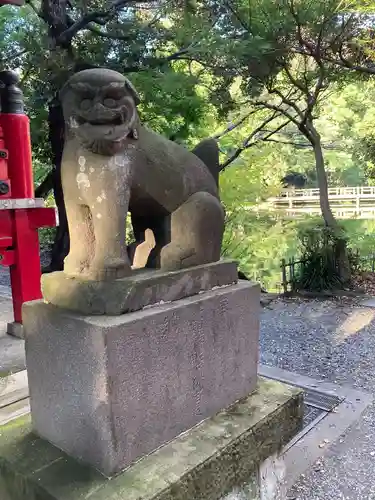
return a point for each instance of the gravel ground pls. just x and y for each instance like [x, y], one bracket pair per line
[332, 341]
[4, 276]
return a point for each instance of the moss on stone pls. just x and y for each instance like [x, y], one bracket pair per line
[207, 462]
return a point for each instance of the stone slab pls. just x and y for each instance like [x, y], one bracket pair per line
[12, 351]
[15, 330]
[14, 410]
[142, 288]
[109, 390]
[13, 388]
[213, 460]
[6, 313]
[368, 302]
[12, 354]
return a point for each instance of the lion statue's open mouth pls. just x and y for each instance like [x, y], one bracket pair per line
[115, 129]
[101, 126]
[102, 113]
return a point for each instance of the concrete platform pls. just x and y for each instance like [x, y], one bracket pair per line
[233, 455]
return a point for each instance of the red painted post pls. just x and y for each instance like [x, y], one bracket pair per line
[16, 132]
[4, 178]
[20, 213]
[12, 2]
[16, 135]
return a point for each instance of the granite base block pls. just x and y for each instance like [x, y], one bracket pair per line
[220, 458]
[108, 390]
[142, 288]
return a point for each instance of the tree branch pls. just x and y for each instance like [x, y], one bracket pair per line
[292, 80]
[344, 26]
[155, 62]
[233, 126]
[287, 101]
[274, 107]
[238, 17]
[247, 142]
[343, 63]
[291, 143]
[45, 187]
[104, 34]
[34, 8]
[273, 132]
[99, 17]
[69, 34]
[298, 26]
[302, 145]
[13, 56]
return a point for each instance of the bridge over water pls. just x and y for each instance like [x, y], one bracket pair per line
[346, 202]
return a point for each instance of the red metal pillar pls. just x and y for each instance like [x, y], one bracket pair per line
[16, 133]
[20, 213]
[12, 2]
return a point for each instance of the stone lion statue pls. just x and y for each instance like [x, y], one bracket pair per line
[113, 165]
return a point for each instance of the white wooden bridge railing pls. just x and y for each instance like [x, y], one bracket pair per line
[346, 202]
[333, 192]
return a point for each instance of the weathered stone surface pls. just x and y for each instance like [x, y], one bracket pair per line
[113, 165]
[142, 288]
[267, 483]
[215, 458]
[110, 389]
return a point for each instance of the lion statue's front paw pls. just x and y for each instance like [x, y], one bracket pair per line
[74, 265]
[108, 269]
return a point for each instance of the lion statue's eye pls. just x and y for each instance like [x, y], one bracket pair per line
[86, 104]
[109, 102]
[116, 93]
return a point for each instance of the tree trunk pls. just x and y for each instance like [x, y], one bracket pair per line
[341, 250]
[325, 207]
[45, 187]
[55, 15]
[60, 248]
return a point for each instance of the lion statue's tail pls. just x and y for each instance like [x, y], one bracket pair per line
[208, 152]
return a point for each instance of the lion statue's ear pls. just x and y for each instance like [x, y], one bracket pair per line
[79, 87]
[130, 87]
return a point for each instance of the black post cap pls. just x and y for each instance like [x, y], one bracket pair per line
[11, 97]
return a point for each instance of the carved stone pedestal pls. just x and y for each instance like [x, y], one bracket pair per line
[142, 288]
[110, 389]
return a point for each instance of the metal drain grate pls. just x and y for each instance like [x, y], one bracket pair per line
[329, 411]
[310, 414]
[317, 405]
[322, 401]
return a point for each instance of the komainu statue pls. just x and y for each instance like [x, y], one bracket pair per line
[113, 165]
